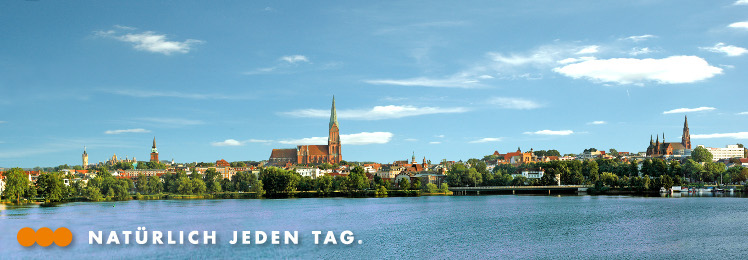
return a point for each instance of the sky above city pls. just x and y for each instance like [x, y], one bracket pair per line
[449, 80]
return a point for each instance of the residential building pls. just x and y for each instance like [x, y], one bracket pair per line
[731, 151]
[312, 172]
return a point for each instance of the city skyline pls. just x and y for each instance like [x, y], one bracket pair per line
[448, 82]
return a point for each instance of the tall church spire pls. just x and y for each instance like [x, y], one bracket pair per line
[154, 142]
[686, 139]
[333, 114]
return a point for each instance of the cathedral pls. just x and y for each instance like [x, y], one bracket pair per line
[313, 154]
[657, 149]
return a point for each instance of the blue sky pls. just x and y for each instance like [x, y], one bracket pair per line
[446, 80]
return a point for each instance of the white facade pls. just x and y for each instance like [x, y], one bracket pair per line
[312, 172]
[530, 174]
[731, 151]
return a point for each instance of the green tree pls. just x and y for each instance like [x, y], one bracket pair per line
[416, 185]
[16, 184]
[404, 183]
[432, 188]
[357, 180]
[142, 184]
[444, 188]
[613, 152]
[324, 184]
[51, 187]
[701, 154]
[92, 193]
[154, 185]
[198, 186]
[692, 169]
[184, 185]
[278, 181]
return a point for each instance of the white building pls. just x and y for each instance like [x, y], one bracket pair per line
[731, 151]
[312, 172]
[530, 174]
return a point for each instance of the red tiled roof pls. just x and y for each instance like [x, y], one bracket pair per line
[283, 154]
[316, 150]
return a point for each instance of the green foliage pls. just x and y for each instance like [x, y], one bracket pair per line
[324, 185]
[151, 165]
[432, 188]
[459, 176]
[381, 191]
[609, 179]
[404, 183]
[278, 181]
[16, 184]
[51, 187]
[444, 188]
[701, 154]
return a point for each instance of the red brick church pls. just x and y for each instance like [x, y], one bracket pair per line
[656, 148]
[313, 154]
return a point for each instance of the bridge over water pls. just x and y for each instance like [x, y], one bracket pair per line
[520, 189]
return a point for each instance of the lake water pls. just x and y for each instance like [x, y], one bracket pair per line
[440, 227]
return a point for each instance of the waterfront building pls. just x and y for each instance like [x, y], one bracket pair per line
[665, 149]
[154, 151]
[85, 158]
[312, 172]
[515, 158]
[731, 151]
[313, 154]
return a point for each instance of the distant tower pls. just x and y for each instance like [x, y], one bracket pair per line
[413, 159]
[334, 155]
[686, 139]
[154, 151]
[85, 158]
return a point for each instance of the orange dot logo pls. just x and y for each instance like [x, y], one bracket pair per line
[44, 237]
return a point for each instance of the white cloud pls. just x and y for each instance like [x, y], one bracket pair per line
[486, 140]
[377, 112]
[670, 70]
[743, 113]
[730, 50]
[3, 122]
[171, 94]
[457, 81]
[589, 49]
[227, 142]
[573, 60]
[440, 136]
[743, 25]
[149, 41]
[597, 123]
[741, 2]
[234, 142]
[738, 135]
[411, 140]
[293, 59]
[638, 38]
[122, 131]
[514, 103]
[485, 77]
[687, 110]
[435, 142]
[350, 139]
[550, 132]
[639, 51]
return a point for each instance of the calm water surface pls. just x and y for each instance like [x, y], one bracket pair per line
[504, 226]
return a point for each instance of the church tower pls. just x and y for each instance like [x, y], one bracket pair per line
[85, 158]
[334, 154]
[154, 151]
[686, 139]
